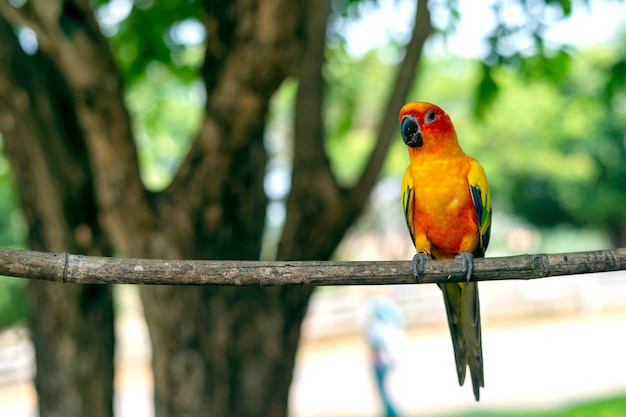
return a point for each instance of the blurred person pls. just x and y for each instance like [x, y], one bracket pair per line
[385, 336]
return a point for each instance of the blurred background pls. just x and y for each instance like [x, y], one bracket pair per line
[536, 92]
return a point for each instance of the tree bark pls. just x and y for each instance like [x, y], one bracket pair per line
[72, 326]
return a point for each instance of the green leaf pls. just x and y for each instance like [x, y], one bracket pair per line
[487, 91]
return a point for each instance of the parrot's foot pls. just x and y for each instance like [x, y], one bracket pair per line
[468, 264]
[418, 264]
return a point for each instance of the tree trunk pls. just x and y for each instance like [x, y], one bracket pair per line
[234, 343]
[72, 325]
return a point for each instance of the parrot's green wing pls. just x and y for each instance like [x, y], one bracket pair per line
[481, 196]
[407, 204]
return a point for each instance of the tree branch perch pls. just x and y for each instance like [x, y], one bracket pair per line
[64, 267]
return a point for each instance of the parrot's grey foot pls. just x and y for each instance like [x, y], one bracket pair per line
[468, 264]
[418, 264]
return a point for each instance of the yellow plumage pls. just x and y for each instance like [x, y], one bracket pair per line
[447, 206]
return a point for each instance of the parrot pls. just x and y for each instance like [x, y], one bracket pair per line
[447, 207]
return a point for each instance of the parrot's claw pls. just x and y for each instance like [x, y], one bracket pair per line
[418, 264]
[468, 264]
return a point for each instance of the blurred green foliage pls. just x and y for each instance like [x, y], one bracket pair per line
[357, 91]
[12, 226]
[12, 234]
[557, 151]
[166, 114]
[519, 43]
[13, 309]
[142, 32]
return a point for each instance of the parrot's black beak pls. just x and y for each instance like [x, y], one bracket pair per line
[411, 134]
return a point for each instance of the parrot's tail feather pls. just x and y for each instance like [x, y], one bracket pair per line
[474, 338]
[461, 367]
[452, 298]
[463, 312]
[476, 370]
[478, 381]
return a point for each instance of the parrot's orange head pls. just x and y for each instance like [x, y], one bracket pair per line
[426, 127]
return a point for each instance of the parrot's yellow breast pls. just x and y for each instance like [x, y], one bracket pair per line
[443, 208]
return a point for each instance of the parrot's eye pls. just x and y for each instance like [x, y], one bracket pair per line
[431, 116]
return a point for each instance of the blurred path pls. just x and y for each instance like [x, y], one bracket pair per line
[533, 366]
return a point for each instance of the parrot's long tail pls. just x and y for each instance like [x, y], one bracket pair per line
[463, 311]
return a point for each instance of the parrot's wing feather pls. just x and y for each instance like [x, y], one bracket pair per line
[407, 203]
[481, 196]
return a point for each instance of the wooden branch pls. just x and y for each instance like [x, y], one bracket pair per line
[64, 267]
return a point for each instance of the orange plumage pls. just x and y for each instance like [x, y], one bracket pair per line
[447, 206]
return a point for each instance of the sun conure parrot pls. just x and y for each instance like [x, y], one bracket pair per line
[447, 206]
